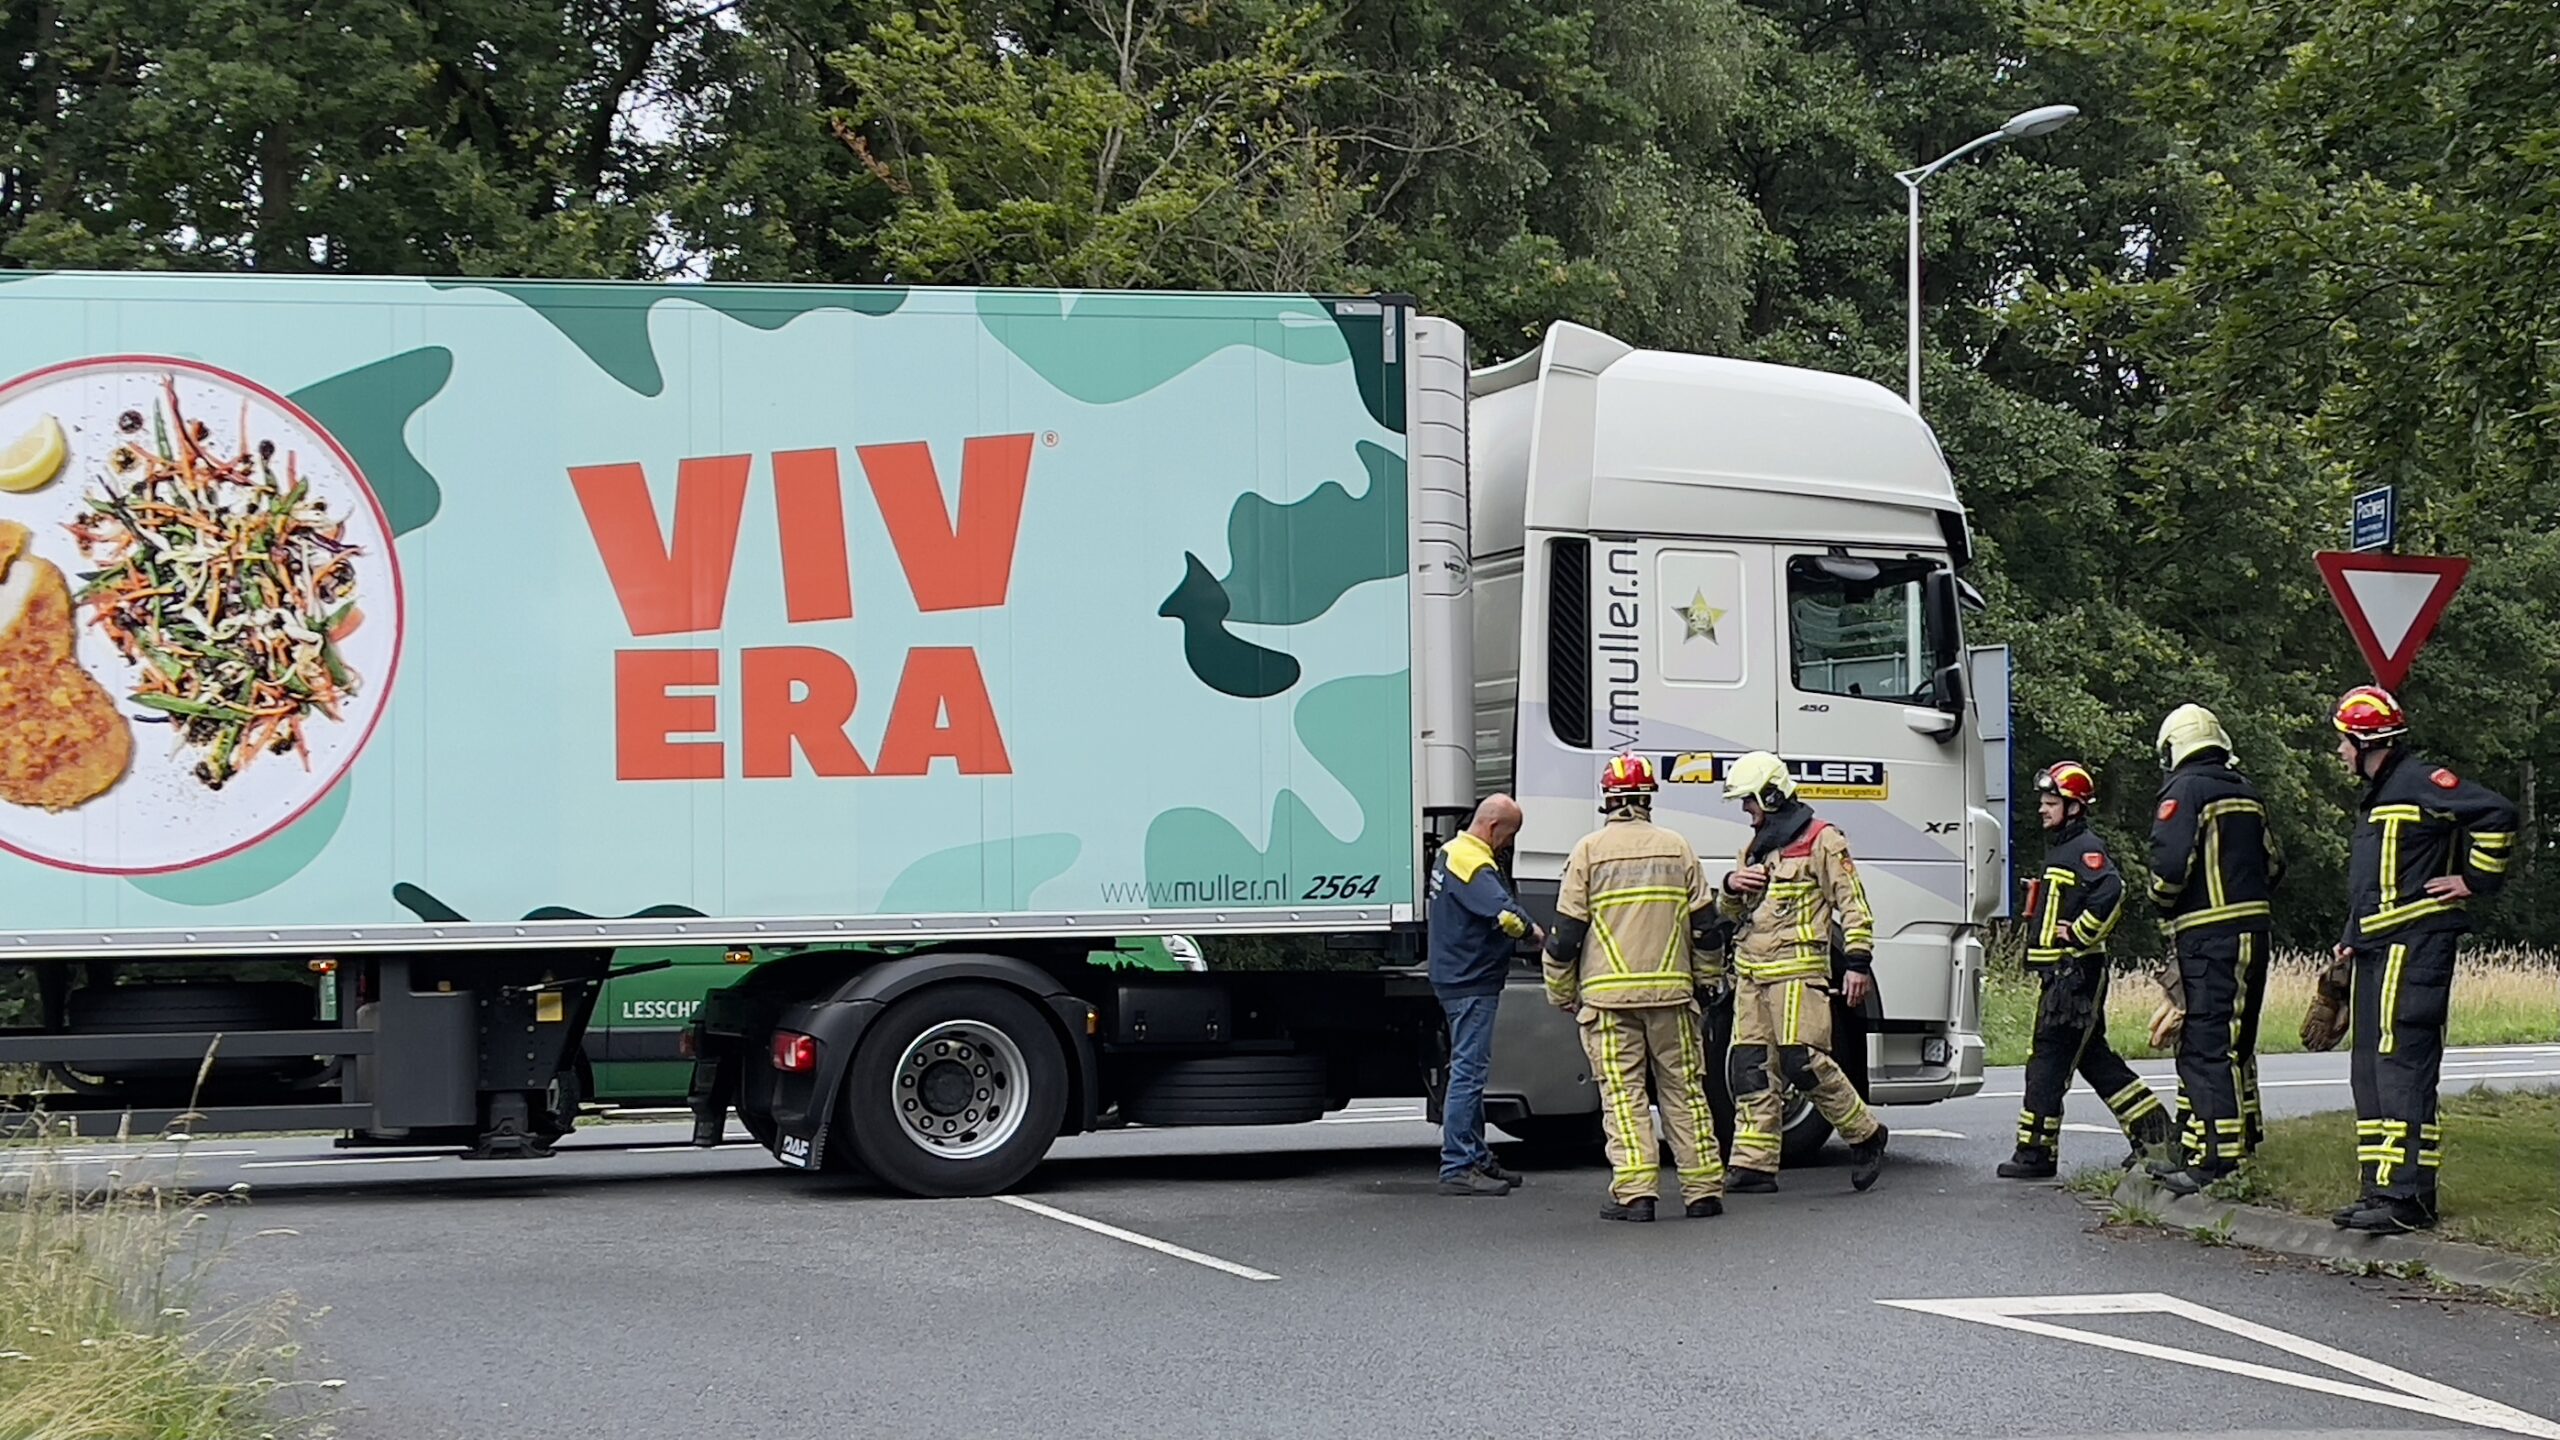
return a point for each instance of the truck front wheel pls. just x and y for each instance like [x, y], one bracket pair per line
[955, 1090]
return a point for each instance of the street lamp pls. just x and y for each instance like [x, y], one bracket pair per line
[2025, 125]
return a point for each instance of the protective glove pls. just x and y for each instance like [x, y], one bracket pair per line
[2170, 1016]
[2325, 1023]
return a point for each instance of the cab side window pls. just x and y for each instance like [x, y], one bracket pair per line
[1857, 628]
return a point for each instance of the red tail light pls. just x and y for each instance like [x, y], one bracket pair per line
[794, 1052]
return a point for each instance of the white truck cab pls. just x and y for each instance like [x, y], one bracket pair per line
[1691, 557]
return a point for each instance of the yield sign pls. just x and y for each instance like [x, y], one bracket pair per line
[2392, 603]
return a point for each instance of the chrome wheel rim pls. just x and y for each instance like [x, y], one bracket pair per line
[957, 1091]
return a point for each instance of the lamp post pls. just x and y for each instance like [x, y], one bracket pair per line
[2027, 124]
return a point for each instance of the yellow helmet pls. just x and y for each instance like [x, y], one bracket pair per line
[1756, 775]
[2188, 729]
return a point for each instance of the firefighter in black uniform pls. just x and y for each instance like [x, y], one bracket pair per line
[2071, 909]
[2214, 868]
[2427, 842]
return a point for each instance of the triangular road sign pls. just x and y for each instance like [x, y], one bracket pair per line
[2392, 603]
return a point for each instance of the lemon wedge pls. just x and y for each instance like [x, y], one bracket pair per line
[31, 460]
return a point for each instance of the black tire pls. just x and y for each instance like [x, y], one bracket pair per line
[1232, 1090]
[872, 1115]
[177, 1007]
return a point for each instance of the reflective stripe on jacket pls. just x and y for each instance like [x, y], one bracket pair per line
[1636, 883]
[1786, 930]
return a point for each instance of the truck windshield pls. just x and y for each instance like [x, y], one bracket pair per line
[1858, 628]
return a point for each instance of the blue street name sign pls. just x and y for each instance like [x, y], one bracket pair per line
[2376, 521]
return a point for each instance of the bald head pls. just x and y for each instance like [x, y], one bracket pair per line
[1496, 820]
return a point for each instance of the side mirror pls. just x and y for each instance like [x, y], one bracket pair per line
[1940, 602]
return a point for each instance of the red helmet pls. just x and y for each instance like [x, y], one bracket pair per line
[1628, 774]
[2368, 713]
[2069, 779]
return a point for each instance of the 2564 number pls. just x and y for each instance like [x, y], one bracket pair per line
[1342, 887]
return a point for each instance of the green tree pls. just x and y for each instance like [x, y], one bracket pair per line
[364, 135]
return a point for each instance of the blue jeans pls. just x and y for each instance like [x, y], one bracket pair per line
[1462, 1110]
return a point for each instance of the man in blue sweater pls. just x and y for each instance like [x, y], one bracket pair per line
[1475, 926]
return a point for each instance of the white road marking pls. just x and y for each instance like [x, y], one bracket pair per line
[1415, 1119]
[1902, 1131]
[678, 1149]
[1148, 1242]
[2407, 1392]
[119, 1159]
[2074, 1127]
[342, 1160]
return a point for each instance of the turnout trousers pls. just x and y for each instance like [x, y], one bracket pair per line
[2220, 1118]
[1660, 1043]
[2071, 1038]
[2402, 994]
[1782, 1030]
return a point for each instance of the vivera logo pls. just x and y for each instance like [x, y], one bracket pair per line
[797, 701]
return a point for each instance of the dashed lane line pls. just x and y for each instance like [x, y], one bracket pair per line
[1144, 1242]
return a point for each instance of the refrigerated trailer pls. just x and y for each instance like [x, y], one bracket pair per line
[387, 665]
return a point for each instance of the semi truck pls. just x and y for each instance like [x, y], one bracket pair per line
[391, 667]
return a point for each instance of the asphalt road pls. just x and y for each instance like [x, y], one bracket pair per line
[1307, 1282]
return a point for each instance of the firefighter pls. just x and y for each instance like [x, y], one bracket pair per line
[2071, 909]
[2214, 868]
[2427, 843]
[1794, 882]
[1619, 962]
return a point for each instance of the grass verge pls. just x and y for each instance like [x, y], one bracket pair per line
[2500, 997]
[108, 1329]
[2501, 1180]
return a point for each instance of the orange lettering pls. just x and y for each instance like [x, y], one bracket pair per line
[953, 566]
[776, 721]
[808, 499]
[681, 586]
[644, 715]
[939, 682]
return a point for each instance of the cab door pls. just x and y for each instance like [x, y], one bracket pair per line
[1870, 700]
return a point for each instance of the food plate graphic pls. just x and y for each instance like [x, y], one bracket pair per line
[233, 602]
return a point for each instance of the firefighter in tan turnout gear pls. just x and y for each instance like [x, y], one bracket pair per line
[1618, 961]
[1795, 880]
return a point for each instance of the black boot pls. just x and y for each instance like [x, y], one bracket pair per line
[1750, 1182]
[1495, 1169]
[1639, 1210]
[1866, 1160]
[2030, 1164]
[2390, 1216]
[2344, 1216]
[1704, 1209]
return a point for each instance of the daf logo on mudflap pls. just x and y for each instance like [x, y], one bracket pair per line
[794, 1151]
[1815, 779]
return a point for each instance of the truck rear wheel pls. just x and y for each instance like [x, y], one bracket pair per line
[956, 1090]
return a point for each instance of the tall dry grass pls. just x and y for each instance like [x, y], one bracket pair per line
[109, 1328]
[2502, 995]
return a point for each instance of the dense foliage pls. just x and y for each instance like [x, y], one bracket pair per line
[2293, 248]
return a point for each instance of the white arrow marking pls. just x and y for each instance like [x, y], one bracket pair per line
[2408, 1392]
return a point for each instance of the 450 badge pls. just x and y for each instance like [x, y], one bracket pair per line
[1815, 779]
